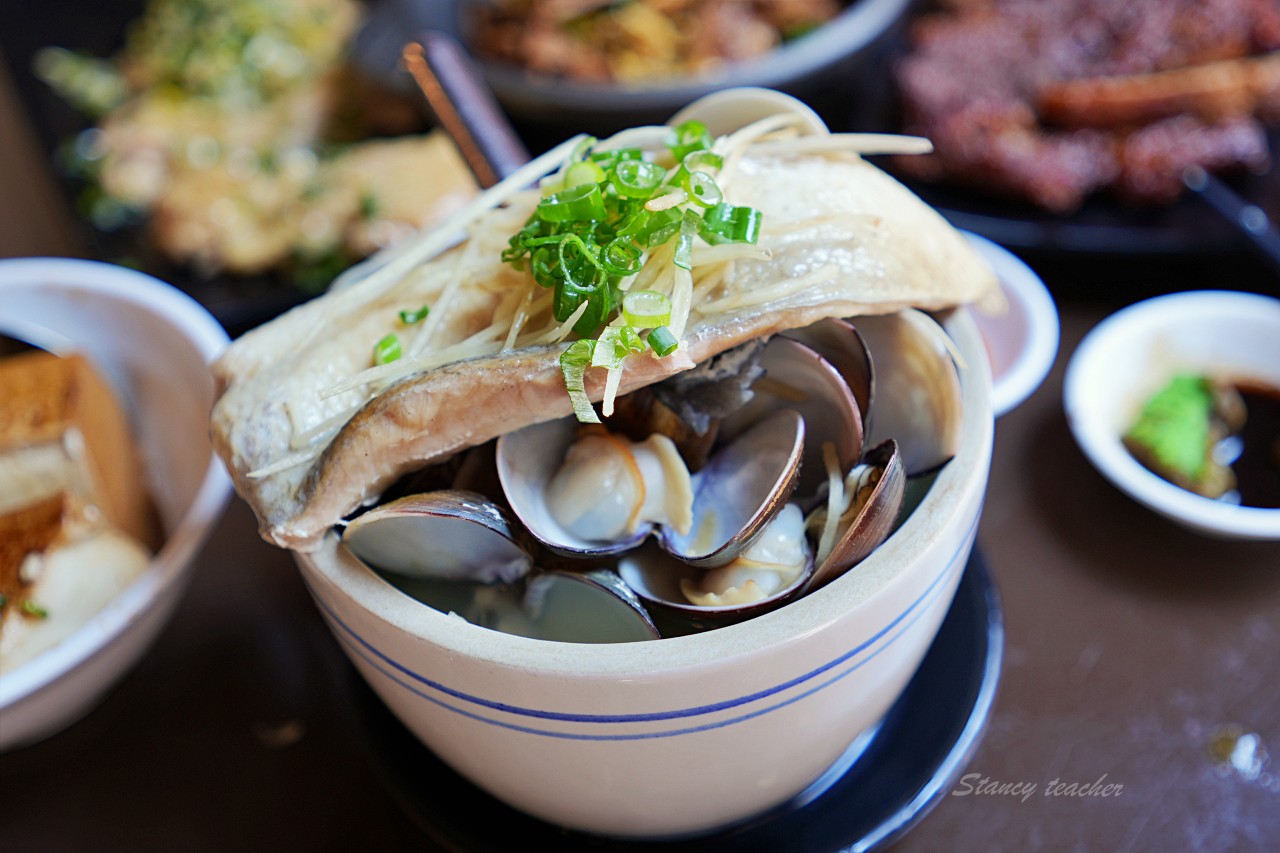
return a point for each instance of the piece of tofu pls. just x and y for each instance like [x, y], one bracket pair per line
[76, 521]
[56, 573]
[62, 429]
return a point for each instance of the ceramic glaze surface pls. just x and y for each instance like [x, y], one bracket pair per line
[154, 345]
[680, 735]
[1133, 353]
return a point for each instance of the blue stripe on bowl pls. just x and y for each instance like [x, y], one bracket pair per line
[391, 670]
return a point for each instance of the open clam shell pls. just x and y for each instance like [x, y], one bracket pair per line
[568, 607]
[915, 391]
[586, 607]
[839, 343]
[686, 598]
[872, 522]
[799, 379]
[743, 486]
[445, 535]
[527, 462]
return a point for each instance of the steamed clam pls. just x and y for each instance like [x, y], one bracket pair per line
[788, 499]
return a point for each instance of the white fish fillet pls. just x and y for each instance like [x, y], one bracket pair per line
[853, 239]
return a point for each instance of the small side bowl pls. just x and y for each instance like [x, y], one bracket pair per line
[1133, 353]
[1021, 339]
[154, 345]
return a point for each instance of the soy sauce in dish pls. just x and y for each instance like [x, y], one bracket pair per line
[1257, 468]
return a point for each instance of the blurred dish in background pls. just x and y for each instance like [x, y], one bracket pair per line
[1052, 102]
[237, 131]
[567, 88]
[641, 40]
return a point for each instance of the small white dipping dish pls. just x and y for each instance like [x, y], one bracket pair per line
[1022, 340]
[154, 344]
[1133, 353]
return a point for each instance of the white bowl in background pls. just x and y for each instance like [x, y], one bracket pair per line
[680, 735]
[154, 345]
[1133, 353]
[1021, 339]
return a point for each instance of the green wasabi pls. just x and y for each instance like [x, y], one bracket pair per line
[1174, 427]
[1178, 428]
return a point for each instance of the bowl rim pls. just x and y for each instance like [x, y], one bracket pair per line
[1022, 285]
[955, 484]
[175, 557]
[856, 26]
[1105, 449]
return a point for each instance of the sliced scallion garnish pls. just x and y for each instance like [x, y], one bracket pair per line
[411, 317]
[727, 223]
[573, 364]
[386, 350]
[599, 218]
[662, 341]
[637, 178]
[577, 203]
[35, 611]
[646, 309]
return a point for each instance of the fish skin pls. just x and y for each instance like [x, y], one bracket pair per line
[887, 251]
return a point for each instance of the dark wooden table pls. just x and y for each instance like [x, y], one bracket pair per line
[1132, 646]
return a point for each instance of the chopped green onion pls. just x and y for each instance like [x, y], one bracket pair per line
[689, 137]
[4, 599]
[614, 345]
[662, 341]
[703, 189]
[609, 350]
[573, 364]
[386, 350]
[582, 150]
[629, 338]
[684, 243]
[30, 608]
[581, 202]
[646, 309]
[637, 178]
[411, 317]
[621, 256]
[702, 161]
[586, 172]
[599, 217]
[658, 226]
[727, 223]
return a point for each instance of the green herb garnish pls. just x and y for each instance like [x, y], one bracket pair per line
[662, 341]
[596, 225]
[573, 364]
[33, 610]
[411, 317]
[386, 350]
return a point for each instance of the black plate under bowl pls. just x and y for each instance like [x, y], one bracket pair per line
[899, 774]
